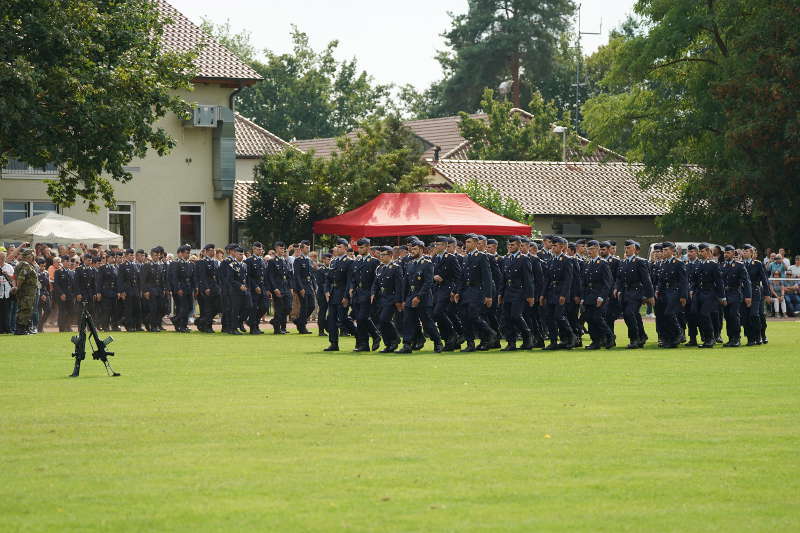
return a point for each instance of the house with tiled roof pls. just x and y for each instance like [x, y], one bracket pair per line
[589, 199]
[187, 196]
[441, 139]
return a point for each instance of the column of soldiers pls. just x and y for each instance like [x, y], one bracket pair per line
[459, 295]
[540, 295]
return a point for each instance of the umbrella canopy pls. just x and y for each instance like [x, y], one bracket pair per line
[420, 213]
[52, 227]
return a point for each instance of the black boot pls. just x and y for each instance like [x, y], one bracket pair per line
[407, 348]
[593, 346]
[332, 348]
[390, 349]
[634, 344]
[470, 347]
[510, 347]
[438, 347]
[376, 342]
[692, 342]
[552, 346]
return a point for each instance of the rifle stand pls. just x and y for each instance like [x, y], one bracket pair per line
[100, 353]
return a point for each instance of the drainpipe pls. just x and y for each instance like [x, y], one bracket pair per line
[232, 237]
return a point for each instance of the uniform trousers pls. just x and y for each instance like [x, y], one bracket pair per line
[281, 305]
[412, 317]
[322, 312]
[596, 319]
[441, 314]
[472, 315]
[151, 307]
[257, 308]
[385, 312]
[133, 311]
[337, 314]
[107, 305]
[733, 322]
[514, 306]
[184, 304]
[209, 308]
[362, 314]
[306, 308]
[65, 310]
[556, 319]
[631, 306]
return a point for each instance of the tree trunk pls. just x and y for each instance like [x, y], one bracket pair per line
[515, 89]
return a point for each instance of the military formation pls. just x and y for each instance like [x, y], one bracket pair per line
[459, 295]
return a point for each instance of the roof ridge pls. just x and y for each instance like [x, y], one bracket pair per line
[555, 163]
[265, 130]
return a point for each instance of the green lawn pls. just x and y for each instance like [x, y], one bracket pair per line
[220, 433]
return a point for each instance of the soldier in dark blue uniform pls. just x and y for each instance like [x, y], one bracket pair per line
[208, 289]
[634, 288]
[475, 294]
[279, 279]
[63, 288]
[658, 307]
[152, 277]
[256, 287]
[106, 283]
[613, 307]
[418, 300]
[533, 315]
[453, 247]
[673, 291]
[573, 306]
[85, 284]
[692, 263]
[556, 294]
[304, 285]
[337, 292]
[516, 295]
[446, 273]
[362, 275]
[751, 316]
[320, 274]
[387, 297]
[490, 313]
[597, 286]
[738, 291]
[181, 276]
[709, 292]
[128, 285]
[235, 286]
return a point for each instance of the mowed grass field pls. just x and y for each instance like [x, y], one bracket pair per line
[220, 433]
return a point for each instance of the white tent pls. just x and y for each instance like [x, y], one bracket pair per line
[55, 228]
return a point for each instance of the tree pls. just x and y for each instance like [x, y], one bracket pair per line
[495, 41]
[294, 189]
[304, 94]
[508, 136]
[713, 84]
[81, 85]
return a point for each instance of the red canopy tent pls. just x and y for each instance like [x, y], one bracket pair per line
[419, 213]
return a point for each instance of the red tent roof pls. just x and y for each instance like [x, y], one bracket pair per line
[419, 213]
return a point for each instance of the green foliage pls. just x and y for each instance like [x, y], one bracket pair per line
[507, 136]
[495, 41]
[81, 84]
[272, 434]
[305, 93]
[713, 84]
[490, 198]
[294, 189]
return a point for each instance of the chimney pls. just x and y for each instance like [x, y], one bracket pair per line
[436, 150]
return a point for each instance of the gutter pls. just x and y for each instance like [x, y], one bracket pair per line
[232, 233]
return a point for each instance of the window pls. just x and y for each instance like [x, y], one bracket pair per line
[14, 167]
[19, 209]
[191, 225]
[120, 220]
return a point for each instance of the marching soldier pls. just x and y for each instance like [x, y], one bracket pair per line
[336, 292]
[751, 316]
[446, 272]
[320, 275]
[738, 290]
[474, 292]
[673, 291]
[658, 307]
[152, 292]
[279, 282]
[257, 286]
[692, 263]
[597, 286]
[304, 286]
[613, 307]
[709, 293]
[362, 275]
[418, 300]
[180, 277]
[573, 307]
[634, 287]
[387, 297]
[533, 315]
[490, 313]
[556, 294]
[516, 295]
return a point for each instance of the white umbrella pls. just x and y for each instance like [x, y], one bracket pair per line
[52, 227]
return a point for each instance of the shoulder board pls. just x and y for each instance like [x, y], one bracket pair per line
[756, 261]
[674, 260]
[561, 258]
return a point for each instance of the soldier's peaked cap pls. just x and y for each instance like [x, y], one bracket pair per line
[514, 238]
[668, 244]
[279, 243]
[341, 241]
[363, 241]
[305, 242]
[231, 246]
[631, 242]
[748, 247]
[471, 236]
[128, 250]
[729, 248]
[209, 247]
[184, 248]
[257, 245]
[605, 244]
[491, 241]
[703, 246]
[692, 247]
[592, 243]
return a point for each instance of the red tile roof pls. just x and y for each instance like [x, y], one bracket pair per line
[242, 193]
[555, 188]
[214, 60]
[253, 141]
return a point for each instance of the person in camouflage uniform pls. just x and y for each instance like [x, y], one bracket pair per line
[26, 290]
